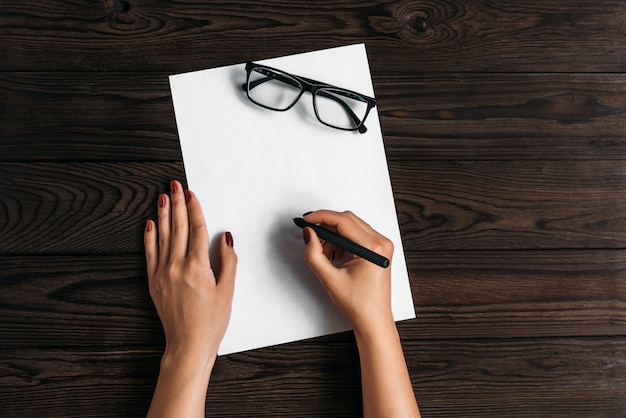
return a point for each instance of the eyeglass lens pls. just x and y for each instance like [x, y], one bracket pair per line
[279, 91]
[272, 89]
[338, 108]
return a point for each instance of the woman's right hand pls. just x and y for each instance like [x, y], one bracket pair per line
[362, 290]
[359, 288]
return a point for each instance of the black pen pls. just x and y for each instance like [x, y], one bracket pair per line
[344, 243]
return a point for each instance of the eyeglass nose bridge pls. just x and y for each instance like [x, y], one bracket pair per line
[310, 85]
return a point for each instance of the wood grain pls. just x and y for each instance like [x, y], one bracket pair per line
[582, 377]
[49, 116]
[504, 126]
[535, 377]
[503, 116]
[99, 208]
[486, 35]
[511, 294]
[77, 302]
[86, 117]
[81, 208]
[102, 301]
[457, 205]
[57, 383]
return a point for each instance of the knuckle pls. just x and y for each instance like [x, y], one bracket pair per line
[172, 271]
[178, 224]
[389, 247]
[154, 291]
[199, 268]
[310, 257]
[177, 198]
[195, 267]
[383, 245]
[197, 228]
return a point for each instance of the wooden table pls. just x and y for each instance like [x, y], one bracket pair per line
[505, 130]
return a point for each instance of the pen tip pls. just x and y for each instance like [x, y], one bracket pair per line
[299, 221]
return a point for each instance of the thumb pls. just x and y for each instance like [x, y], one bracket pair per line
[315, 258]
[228, 261]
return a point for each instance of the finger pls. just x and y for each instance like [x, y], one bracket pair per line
[328, 249]
[152, 248]
[360, 222]
[164, 228]
[344, 223]
[341, 255]
[198, 234]
[228, 261]
[180, 222]
[317, 260]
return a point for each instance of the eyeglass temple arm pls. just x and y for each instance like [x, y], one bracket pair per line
[278, 77]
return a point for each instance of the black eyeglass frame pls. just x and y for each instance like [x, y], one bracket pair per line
[314, 87]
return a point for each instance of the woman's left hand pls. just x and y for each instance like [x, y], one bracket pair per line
[192, 302]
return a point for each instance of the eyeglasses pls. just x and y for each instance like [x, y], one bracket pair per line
[334, 106]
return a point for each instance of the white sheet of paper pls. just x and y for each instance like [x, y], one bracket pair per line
[254, 170]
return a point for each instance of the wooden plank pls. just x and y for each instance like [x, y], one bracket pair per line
[57, 383]
[509, 294]
[583, 377]
[129, 117]
[87, 208]
[80, 208]
[402, 36]
[487, 378]
[86, 117]
[310, 378]
[504, 128]
[458, 205]
[98, 301]
[76, 302]
[503, 116]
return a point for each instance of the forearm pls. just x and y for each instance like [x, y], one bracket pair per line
[181, 388]
[386, 385]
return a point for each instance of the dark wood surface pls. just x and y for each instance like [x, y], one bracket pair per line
[505, 131]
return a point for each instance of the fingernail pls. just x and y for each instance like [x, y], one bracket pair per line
[161, 200]
[173, 187]
[187, 195]
[229, 239]
[306, 235]
[307, 213]
[148, 225]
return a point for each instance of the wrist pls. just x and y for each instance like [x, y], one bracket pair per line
[182, 385]
[195, 364]
[379, 329]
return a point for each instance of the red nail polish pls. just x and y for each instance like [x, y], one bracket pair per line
[173, 187]
[148, 225]
[306, 235]
[229, 239]
[187, 196]
[161, 201]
